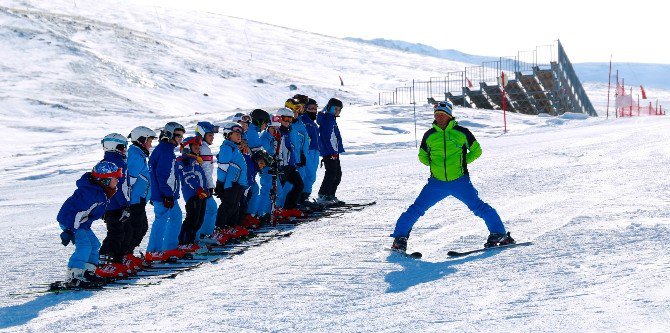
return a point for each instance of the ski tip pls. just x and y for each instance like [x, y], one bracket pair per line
[416, 255]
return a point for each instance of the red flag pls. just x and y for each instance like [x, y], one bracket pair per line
[644, 94]
[469, 82]
[618, 87]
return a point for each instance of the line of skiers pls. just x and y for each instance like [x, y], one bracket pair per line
[281, 151]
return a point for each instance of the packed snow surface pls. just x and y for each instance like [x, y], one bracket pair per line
[590, 193]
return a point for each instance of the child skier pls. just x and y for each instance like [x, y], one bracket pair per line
[164, 236]
[206, 131]
[193, 184]
[308, 118]
[289, 177]
[330, 147]
[87, 204]
[268, 175]
[140, 186]
[231, 181]
[259, 121]
[113, 246]
[300, 141]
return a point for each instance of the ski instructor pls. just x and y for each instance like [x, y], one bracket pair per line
[447, 149]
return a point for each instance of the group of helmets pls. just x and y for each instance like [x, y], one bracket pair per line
[118, 143]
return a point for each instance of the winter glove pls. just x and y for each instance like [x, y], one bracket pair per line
[125, 215]
[303, 160]
[201, 193]
[199, 159]
[211, 192]
[168, 202]
[66, 237]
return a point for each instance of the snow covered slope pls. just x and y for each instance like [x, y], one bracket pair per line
[591, 193]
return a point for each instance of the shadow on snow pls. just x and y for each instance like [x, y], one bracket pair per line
[418, 271]
[20, 314]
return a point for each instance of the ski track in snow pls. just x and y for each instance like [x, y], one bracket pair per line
[590, 193]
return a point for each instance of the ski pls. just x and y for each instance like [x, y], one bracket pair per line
[352, 205]
[59, 287]
[172, 268]
[465, 253]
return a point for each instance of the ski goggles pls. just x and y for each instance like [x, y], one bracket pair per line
[116, 174]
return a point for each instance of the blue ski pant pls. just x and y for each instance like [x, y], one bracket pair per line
[86, 249]
[209, 221]
[165, 229]
[308, 172]
[265, 205]
[435, 191]
[282, 192]
[253, 206]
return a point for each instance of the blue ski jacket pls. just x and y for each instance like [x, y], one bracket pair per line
[164, 181]
[330, 139]
[252, 169]
[191, 175]
[269, 143]
[312, 131]
[254, 137]
[232, 165]
[122, 197]
[138, 174]
[287, 149]
[87, 204]
[300, 139]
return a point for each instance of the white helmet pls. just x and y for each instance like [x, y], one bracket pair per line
[285, 112]
[170, 128]
[232, 127]
[115, 142]
[141, 133]
[241, 117]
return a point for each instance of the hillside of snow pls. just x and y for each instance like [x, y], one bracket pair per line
[592, 194]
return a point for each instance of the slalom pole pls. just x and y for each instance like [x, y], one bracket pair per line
[416, 140]
[503, 102]
[609, 85]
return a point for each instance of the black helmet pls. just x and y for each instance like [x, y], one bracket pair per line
[302, 99]
[261, 155]
[260, 117]
[334, 102]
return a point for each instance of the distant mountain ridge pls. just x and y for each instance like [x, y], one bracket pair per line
[423, 49]
[648, 75]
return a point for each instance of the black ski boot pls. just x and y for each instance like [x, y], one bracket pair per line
[266, 220]
[399, 244]
[497, 239]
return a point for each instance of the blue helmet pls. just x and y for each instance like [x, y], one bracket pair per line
[205, 127]
[104, 171]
